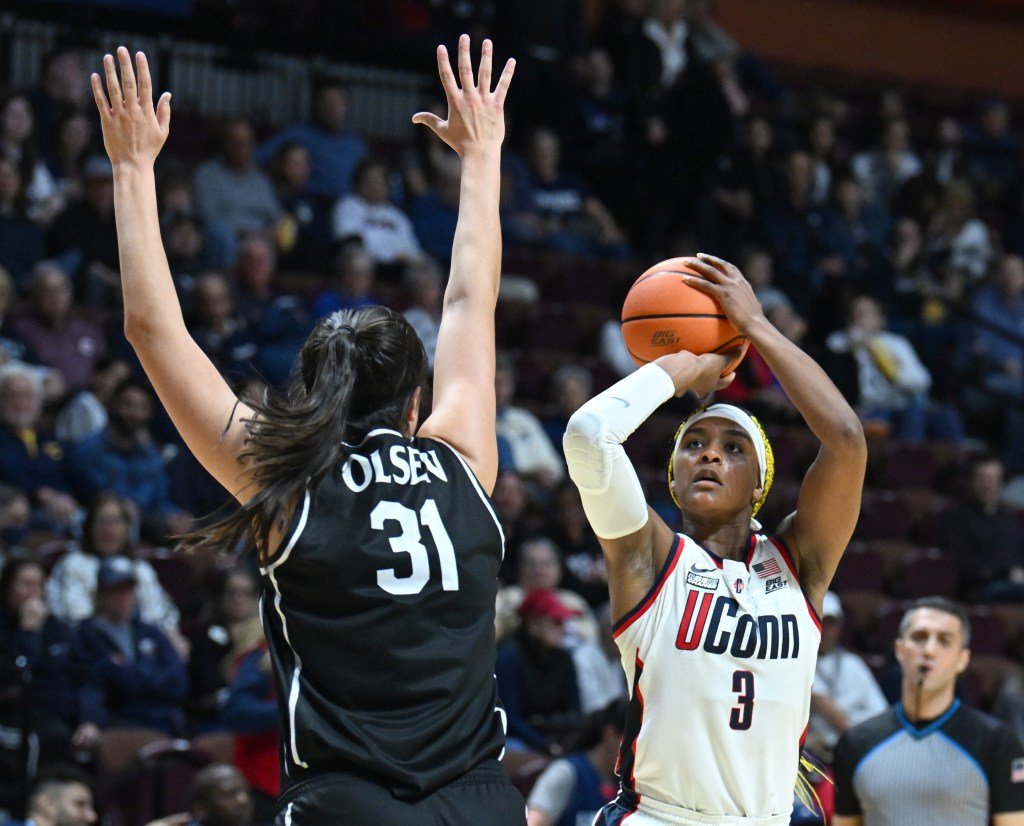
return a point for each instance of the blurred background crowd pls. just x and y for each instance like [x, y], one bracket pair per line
[882, 227]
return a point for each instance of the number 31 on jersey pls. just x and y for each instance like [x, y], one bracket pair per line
[409, 541]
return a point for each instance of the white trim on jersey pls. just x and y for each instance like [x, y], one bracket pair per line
[293, 695]
[375, 432]
[476, 485]
[288, 815]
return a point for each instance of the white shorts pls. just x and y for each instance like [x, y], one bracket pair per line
[655, 813]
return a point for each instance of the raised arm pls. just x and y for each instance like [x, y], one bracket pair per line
[829, 500]
[464, 407]
[199, 401]
[635, 540]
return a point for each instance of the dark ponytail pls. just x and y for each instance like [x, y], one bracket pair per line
[358, 369]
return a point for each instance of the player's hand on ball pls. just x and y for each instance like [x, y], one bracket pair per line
[726, 284]
[133, 131]
[476, 119]
[701, 374]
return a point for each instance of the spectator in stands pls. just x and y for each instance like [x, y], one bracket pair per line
[845, 692]
[84, 239]
[598, 130]
[886, 168]
[998, 355]
[863, 232]
[892, 383]
[536, 676]
[571, 388]
[250, 712]
[221, 797]
[957, 233]
[801, 235]
[533, 455]
[993, 149]
[822, 142]
[53, 334]
[435, 213]
[304, 236]
[11, 348]
[368, 215]
[355, 274]
[229, 608]
[930, 759]
[124, 458]
[555, 210]
[85, 413]
[424, 289]
[135, 677]
[22, 240]
[276, 321]
[999, 309]
[540, 568]
[18, 144]
[63, 86]
[108, 530]
[334, 149]
[584, 569]
[46, 644]
[30, 458]
[66, 157]
[984, 536]
[62, 796]
[219, 329]
[572, 789]
[513, 504]
[14, 519]
[231, 191]
[746, 181]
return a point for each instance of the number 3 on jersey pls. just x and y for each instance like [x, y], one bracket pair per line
[742, 715]
[409, 542]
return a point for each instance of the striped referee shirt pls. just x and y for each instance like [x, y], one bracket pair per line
[957, 770]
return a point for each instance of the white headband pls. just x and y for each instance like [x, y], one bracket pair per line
[742, 418]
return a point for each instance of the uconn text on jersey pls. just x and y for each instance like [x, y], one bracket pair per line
[766, 637]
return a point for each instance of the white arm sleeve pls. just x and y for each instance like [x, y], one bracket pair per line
[611, 492]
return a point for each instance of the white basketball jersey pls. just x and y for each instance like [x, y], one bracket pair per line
[720, 660]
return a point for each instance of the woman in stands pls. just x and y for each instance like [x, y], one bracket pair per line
[377, 542]
[717, 627]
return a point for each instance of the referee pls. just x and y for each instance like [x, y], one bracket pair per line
[930, 761]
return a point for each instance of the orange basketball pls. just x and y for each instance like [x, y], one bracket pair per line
[663, 314]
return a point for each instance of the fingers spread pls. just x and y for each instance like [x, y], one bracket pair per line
[127, 76]
[484, 75]
[163, 110]
[428, 119]
[718, 263]
[444, 69]
[505, 80]
[145, 79]
[701, 284]
[113, 86]
[99, 95]
[465, 65]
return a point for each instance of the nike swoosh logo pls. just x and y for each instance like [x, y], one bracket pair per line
[697, 570]
[624, 402]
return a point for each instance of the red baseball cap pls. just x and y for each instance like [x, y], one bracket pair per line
[545, 603]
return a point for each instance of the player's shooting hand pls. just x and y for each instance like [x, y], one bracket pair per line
[730, 289]
[133, 131]
[476, 118]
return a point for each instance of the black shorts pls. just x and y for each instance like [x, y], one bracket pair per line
[483, 795]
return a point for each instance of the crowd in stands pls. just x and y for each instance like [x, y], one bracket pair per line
[882, 232]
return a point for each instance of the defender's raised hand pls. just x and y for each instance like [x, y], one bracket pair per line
[475, 113]
[133, 131]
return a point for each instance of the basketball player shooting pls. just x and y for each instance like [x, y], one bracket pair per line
[717, 627]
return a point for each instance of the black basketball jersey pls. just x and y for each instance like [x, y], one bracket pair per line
[379, 613]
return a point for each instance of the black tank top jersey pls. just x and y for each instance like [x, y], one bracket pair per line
[378, 610]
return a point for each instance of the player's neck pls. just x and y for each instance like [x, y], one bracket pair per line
[729, 541]
[920, 704]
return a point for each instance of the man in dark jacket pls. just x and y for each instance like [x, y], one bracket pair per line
[136, 678]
